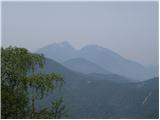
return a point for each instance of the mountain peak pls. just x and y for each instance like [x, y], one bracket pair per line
[65, 43]
[92, 46]
[95, 47]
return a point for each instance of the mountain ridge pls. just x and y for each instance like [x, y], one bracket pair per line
[84, 66]
[105, 58]
[89, 96]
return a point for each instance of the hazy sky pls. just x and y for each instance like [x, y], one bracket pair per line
[128, 28]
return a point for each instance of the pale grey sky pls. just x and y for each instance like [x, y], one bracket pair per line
[128, 28]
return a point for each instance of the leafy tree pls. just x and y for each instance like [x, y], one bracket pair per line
[22, 85]
[58, 109]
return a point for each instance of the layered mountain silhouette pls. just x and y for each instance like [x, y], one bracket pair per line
[84, 66]
[97, 95]
[104, 61]
[99, 83]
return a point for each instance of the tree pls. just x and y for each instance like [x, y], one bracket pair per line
[21, 84]
[58, 109]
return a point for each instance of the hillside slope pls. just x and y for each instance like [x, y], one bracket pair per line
[93, 96]
[84, 66]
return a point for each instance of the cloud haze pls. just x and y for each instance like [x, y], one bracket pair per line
[128, 28]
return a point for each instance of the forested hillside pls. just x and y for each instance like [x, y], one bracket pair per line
[105, 96]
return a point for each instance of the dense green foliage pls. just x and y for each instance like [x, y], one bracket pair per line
[21, 85]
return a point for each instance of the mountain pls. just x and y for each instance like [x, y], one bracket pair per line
[103, 57]
[100, 96]
[110, 77]
[84, 66]
[59, 52]
[70, 75]
[54, 66]
[116, 63]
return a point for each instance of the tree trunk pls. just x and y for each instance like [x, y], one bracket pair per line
[33, 108]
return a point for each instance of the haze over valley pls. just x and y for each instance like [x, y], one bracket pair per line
[96, 60]
[99, 83]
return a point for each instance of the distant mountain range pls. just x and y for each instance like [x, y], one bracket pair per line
[97, 95]
[99, 83]
[84, 66]
[93, 58]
